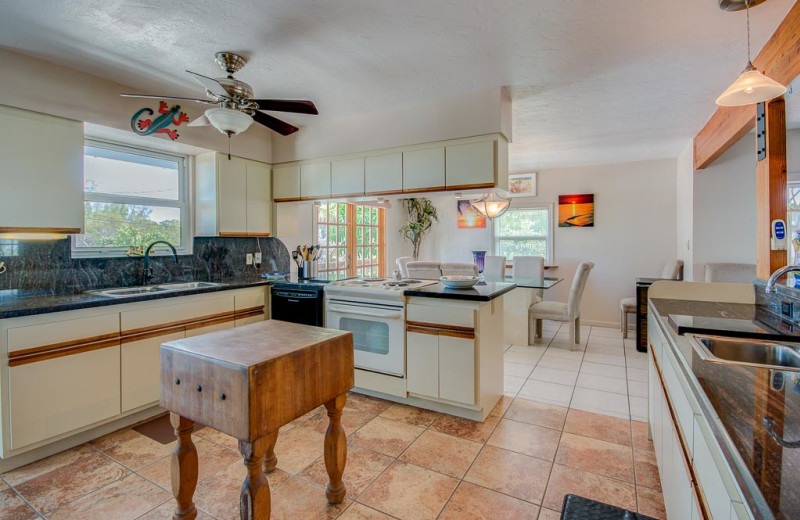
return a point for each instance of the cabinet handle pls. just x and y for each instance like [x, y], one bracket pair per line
[770, 425]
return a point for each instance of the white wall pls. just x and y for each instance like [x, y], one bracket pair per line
[684, 247]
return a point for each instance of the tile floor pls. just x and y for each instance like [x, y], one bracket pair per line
[604, 374]
[403, 462]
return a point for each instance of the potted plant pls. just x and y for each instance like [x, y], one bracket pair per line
[421, 216]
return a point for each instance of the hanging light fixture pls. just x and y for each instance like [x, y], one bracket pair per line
[228, 121]
[491, 205]
[752, 86]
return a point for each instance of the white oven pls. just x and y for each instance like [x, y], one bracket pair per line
[378, 329]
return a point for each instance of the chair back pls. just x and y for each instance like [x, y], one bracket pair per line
[424, 270]
[576, 291]
[402, 264]
[459, 269]
[494, 266]
[673, 270]
[530, 267]
[729, 273]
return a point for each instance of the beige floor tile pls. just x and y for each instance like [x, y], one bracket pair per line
[386, 436]
[410, 414]
[554, 375]
[564, 480]
[116, 438]
[139, 452]
[353, 418]
[512, 384]
[549, 514]
[219, 494]
[361, 512]
[529, 439]
[605, 359]
[471, 502]
[298, 449]
[598, 340]
[606, 384]
[637, 374]
[638, 408]
[367, 403]
[598, 369]
[597, 426]
[217, 437]
[409, 492]
[638, 360]
[639, 436]
[511, 473]
[572, 365]
[125, 499]
[646, 469]
[17, 476]
[605, 332]
[541, 414]
[595, 456]
[563, 353]
[443, 453]
[363, 466]
[651, 503]
[12, 507]
[551, 393]
[165, 511]
[211, 458]
[605, 349]
[517, 370]
[637, 389]
[466, 429]
[598, 400]
[298, 499]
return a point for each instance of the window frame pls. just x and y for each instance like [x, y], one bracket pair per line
[351, 226]
[550, 239]
[183, 203]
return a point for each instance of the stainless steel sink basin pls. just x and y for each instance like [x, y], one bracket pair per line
[766, 354]
[122, 292]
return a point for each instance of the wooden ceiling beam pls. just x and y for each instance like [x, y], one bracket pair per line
[780, 60]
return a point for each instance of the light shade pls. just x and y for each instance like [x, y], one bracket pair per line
[228, 121]
[751, 87]
[491, 205]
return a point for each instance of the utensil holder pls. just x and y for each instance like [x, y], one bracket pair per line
[307, 270]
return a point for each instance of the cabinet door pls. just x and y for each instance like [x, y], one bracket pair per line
[347, 177]
[259, 199]
[679, 488]
[470, 165]
[456, 369]
[58, 395]
[232, 186]
[315, 181]
[286, 183]
[140, 370]
[708, 474]
[422, 351]
[383, 174]
[423, 169]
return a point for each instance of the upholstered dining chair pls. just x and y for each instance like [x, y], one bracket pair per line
[557, 311]
[673, 270]
[729, 273]
[494, 266]
[459, 269]
[424, 270]
[402, 264]
[530, 267]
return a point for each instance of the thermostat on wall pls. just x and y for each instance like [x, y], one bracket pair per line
[778, 235]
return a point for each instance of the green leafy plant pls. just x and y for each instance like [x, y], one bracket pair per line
[421, 216]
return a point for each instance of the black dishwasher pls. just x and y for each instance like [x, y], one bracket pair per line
[298, 303]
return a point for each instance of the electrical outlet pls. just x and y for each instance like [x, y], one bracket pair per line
[249, 259]
[787, 309]
[257, 258]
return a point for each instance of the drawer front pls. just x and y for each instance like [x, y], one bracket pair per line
[55, 396]
[680, 403]
[712, 473]
[249, 299]
[63, 331]
[175, 311]
[447, 316]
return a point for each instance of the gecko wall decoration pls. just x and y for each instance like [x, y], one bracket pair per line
[159, 125]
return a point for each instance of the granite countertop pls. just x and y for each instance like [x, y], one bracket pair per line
[15, 303]
[482, 292]
[739, 397]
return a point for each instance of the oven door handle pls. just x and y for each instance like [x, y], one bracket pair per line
[343, 310]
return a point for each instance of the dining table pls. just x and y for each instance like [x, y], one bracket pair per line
[518, 301]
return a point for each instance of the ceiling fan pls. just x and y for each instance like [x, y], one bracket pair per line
[237, 107]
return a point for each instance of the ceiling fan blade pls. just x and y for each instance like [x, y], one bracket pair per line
[279, 126]
[287, 105]
[200, 121]
[211, 84]
[146, 96]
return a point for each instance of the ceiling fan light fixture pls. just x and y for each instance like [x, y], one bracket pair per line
[229, 121]
[751, 87]
[491, 205]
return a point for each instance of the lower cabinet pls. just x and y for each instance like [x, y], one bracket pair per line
[140, 370]
[440, 364]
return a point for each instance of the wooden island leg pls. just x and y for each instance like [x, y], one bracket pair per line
[271, 460]
[335, 450]
[183, 468]
[254, 500]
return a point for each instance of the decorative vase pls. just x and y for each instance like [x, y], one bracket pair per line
[477, 257]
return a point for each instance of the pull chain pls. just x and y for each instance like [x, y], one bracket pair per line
[229, 145]
[747, 10]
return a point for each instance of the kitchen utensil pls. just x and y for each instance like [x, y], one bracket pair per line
[459, 282]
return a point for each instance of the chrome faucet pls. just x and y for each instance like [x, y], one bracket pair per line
[146, 273]
[773, 279]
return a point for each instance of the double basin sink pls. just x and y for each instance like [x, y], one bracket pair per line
[756, 353]
[122, 292]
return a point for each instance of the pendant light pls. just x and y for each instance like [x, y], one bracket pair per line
[491, 205]
[752, 86]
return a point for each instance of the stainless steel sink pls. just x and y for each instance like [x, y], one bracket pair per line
[122, 292]
[766, 354]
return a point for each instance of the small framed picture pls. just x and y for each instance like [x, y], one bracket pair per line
[522, 184]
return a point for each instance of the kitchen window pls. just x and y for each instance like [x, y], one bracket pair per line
[132, 197]
[352, 240]
[525, 231]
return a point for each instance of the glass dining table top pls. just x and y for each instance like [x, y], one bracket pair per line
[528, 283]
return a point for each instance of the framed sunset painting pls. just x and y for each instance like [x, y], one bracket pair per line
[467, 217]
[576, 210]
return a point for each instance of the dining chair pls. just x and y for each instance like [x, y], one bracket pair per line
[402, 264]
[459, 269]
[494, 266]
[673, 270]
[424, 270]
[557, 311]
[729, 273]
[530, 267]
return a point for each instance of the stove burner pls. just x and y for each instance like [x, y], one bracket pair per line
[373, 279]
[402, 283]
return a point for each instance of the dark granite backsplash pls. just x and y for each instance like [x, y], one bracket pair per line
[47, 266]
[773, 301]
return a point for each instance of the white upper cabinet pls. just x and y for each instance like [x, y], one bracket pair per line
[423, 170]
[315, 180]
[383, 174]
[41, 159]
[232, 196]
[470, 165]
[286, 183]
[347, 177]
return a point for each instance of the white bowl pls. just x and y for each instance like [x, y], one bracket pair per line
[459, 282]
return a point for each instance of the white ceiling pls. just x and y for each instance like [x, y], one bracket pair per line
[592, 81]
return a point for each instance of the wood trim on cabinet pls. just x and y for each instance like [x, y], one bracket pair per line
[173, 324]
[440, 326]
[62, 345]
[424, 190]
[259, 309]
[287, 199]
[422, 330]
[130, 338]
[16, 359]
[459, 187]
[456, 334]
[387, 192]
[59, 231]
[208, 323]
[439, 331]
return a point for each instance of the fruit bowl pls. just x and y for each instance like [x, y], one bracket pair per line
[459, 282]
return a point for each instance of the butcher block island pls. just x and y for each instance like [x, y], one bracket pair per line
[248, 382]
